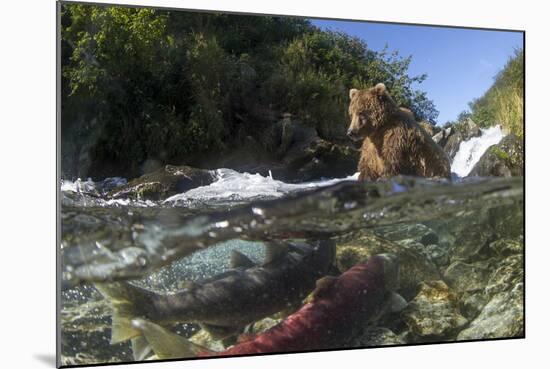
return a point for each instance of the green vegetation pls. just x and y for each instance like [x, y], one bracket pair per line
[503, 102]
[141, 85]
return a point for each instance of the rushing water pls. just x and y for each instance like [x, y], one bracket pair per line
[470, 151]
[189, 236]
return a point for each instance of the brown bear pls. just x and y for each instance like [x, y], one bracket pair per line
[393, 142]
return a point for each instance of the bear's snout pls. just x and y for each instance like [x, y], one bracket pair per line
[353, 134]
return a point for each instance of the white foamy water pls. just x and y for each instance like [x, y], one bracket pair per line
[233, 185]
[471, 151]
[77, 186]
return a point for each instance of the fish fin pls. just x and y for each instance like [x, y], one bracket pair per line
[274, 250]
[323, 285]
[238, 259]
[140, 348]
[124, 298]
[397, 302]
[220, 332]
[166, 344]
[121, 329]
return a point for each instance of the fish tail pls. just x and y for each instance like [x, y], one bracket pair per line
[166, 344]
[125, 300]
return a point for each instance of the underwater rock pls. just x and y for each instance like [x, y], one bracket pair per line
[463, 277]
[506, 276]
[471, 303]
[503, 275]
[264, 324]
[347, 256]
[414, 266]
[203, 338]
[472, 241]
[438, 254]
[86, 334]
[163, 183]
[377, 336]
[501, 317]
[505, 247]
[507, 221]
[504, 159]
[434, 313]
[417, 232]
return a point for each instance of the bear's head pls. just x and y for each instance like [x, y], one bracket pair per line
[369, 110]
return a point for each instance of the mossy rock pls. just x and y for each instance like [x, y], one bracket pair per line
[434, 312]
[502, 317]
[502, 160]
[163, 183]
[320, 159]
[414, 267]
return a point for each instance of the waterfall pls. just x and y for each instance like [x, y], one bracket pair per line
[471, 151]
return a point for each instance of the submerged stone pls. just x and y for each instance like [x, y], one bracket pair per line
[414, 266]
[377, 336]
[463, 277]
[506, 276]
[472, 241]
[417, 232]
[506, 247]
[203, 338]
[502, 317]
[434, 313]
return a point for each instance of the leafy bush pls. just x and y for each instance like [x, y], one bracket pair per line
[141, 85]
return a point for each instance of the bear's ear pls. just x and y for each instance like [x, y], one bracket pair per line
[352, 93]
[380, 88]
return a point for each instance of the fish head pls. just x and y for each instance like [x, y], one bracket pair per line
[391, 270]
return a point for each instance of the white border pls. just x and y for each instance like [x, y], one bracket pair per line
[27, 153]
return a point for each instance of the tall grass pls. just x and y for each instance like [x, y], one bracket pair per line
[509, 110]
[503, 102]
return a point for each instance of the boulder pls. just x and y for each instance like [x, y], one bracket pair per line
[463, 277]
[452, 144]
[163, 183]
[431, 129]
[506, 247]
[462, 131]
[417, 232]
[318, 158]
[414, 266]
[377, 336]
[501, 317]
[508, 274]
[499, 275]
[442, 136]
[205, 339]
[433, 314]
[504, 159]
[290, 151]
[472, 241]
[469, 129]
